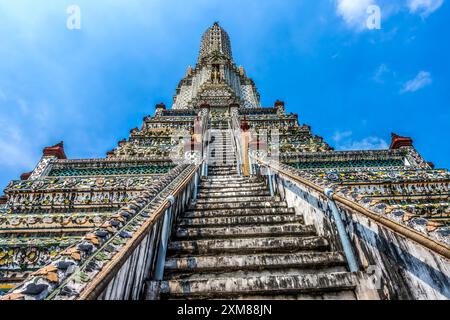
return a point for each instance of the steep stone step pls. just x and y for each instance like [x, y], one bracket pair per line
[231, 186]
[240, 212]
[239, 221]
[222, 172]
[290, 229]
[232, 193]
[248, 245]
[229, 263]
[205, 191]
[235, 200]
[221, 167]
[230, 179]
[237, 205]
[221, 161]
[263, 285]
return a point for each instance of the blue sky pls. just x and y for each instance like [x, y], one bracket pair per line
[353, 85]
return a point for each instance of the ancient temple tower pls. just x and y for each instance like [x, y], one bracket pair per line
[218, 197]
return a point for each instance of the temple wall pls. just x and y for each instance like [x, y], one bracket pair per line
[397, 267]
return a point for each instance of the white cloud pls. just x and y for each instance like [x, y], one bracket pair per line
[381, 71]
[339, 136]
[422, 80]
[424, 7]
[354, 12]
[369, 143]
[345, 142]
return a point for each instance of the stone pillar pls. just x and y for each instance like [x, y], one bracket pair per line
[245, 138]
[160, 108]
[279, 105]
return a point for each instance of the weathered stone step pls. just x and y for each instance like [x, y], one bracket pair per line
[249, 245]
[205, 191]
[242, 212]
[263, 285]
[230, 179]
[222, 172]
[262, 192]
[290, 229]
[231, 186]
[238, 205]
[239, 220]
[219, 162]
[235, 199]
[228, 263]
[216, 161]
[221, 167]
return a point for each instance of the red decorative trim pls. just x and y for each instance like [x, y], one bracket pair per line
[55, 151]
[3, 200]
[110, 153]
[25, 176]
[122, 142]
[399, 142]
[431, 164]
[134, 130]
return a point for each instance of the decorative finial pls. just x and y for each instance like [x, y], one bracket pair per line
[399, 141]
[55, 151]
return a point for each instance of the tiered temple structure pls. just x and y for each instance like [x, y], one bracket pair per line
[218, 197]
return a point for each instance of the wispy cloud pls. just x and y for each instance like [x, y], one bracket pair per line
[424, 7]
[380, 73]
[354, 12]
[340, 135]
[422, 79]
[344, 141]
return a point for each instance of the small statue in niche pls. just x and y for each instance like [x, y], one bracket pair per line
[215, 74]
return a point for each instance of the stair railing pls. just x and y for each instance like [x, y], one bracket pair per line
[267, 168]
[339, 202]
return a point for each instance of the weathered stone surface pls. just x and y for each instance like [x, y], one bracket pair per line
[276, 284]
[244, 245]
[236, 212]
[254, 261]
[239, 221]
[245, 231]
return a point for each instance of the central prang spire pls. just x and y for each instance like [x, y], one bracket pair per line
[215, 41]
[215, 80]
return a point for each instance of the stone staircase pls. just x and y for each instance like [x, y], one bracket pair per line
[237, 242]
